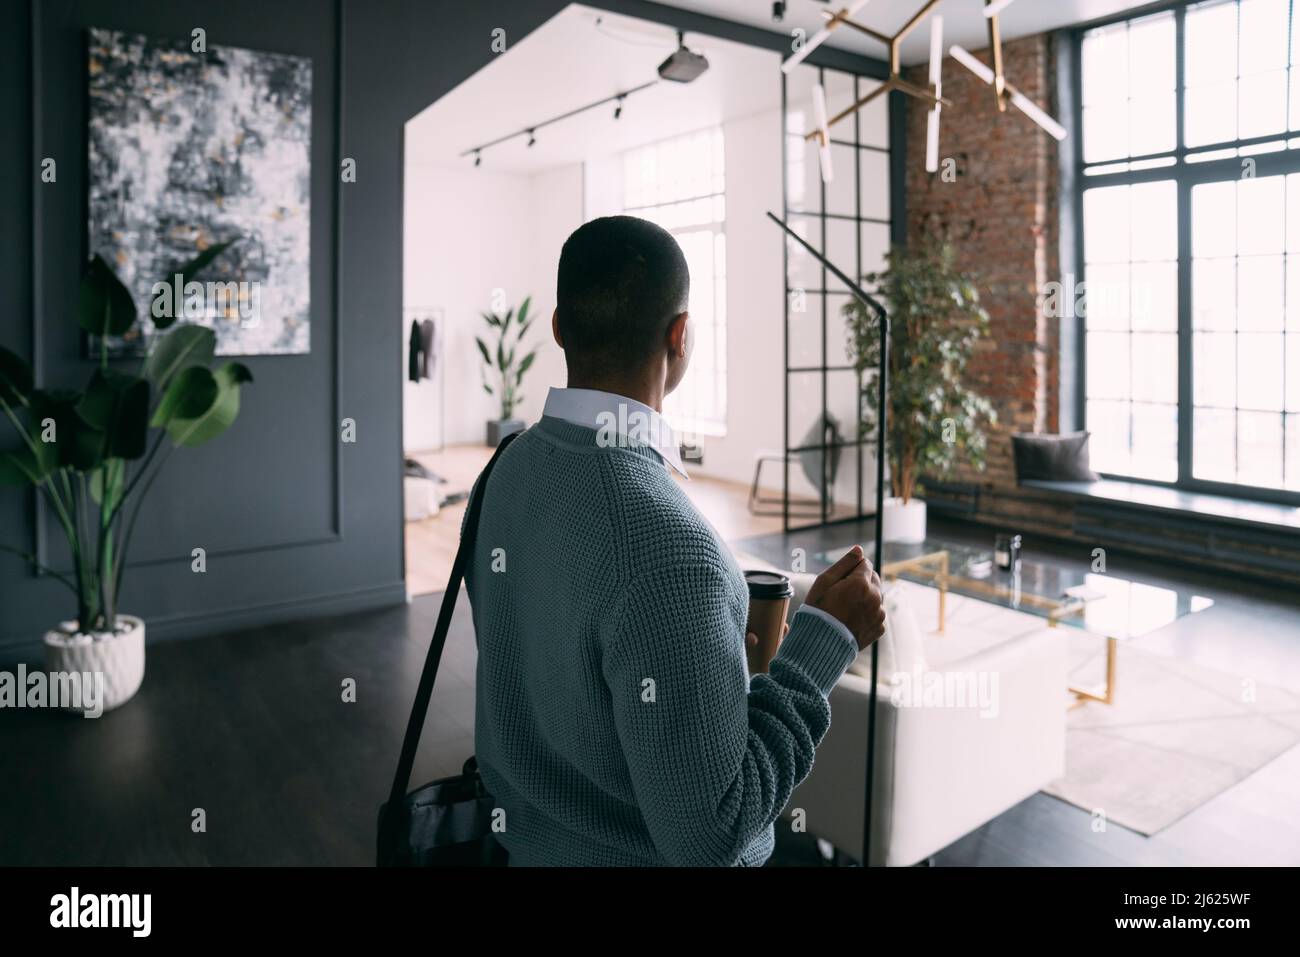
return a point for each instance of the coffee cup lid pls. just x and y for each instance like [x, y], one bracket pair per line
[766, 584]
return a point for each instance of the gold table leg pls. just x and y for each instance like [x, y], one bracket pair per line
[924, 565]
[1106, 693]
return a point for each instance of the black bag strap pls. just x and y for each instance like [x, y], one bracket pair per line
[410, 743]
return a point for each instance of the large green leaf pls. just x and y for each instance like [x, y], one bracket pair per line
[75, 443]
[483, 349]
[203, 260]
[186, 345]
[196, 430]
[523, 310]
[188, 271]
[15, 378]
[189, 395]
[117, 406]
[104, 305]
[524, 366]
[21, 468]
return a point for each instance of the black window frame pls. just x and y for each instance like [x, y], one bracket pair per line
[1074, 182]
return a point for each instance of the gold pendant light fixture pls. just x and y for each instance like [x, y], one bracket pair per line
[1004, 92]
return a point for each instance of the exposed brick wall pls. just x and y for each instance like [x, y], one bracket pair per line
[1000, 214]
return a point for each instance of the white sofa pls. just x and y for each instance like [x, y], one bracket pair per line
[941, 770]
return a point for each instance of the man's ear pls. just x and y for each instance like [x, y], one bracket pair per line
[555, 327]
[678, 343]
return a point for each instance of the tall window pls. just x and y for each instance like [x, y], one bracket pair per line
[1190, 202]
[680, 184]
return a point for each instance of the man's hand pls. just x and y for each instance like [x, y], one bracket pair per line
[850, 592]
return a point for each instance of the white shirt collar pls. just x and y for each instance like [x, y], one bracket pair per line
[617, 414]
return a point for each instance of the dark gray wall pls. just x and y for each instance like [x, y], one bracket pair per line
[294, 522]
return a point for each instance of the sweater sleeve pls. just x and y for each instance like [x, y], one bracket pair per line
[714, 757]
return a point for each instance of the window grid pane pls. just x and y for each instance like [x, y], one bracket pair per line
[1131, 251]
[680, 184]
[1239, 83]
[1129, 106]
[1245, 354]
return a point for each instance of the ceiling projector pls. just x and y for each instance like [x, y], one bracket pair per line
[684, 65]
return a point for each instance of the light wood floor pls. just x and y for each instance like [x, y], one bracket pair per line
[431, 543]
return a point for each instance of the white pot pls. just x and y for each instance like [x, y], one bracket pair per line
[904, 523]
[119, 658]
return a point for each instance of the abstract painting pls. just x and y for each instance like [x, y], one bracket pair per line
[188, 150]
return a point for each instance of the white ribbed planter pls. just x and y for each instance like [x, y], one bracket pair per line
[119, 657]
[904, 523]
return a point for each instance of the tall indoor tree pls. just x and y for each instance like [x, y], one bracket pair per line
[933, 418]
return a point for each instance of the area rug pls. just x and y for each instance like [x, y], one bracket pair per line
[1176, 735]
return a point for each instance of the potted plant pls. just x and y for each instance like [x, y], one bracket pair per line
[90, 456]
[932, 417]
[505, 367]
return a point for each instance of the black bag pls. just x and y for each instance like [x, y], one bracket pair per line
[447, 822]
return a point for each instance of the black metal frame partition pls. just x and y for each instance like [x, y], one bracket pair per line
[859, 441]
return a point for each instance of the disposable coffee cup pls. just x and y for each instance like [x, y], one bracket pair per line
[769, 600]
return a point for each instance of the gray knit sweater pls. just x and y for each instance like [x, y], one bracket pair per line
[616, 723]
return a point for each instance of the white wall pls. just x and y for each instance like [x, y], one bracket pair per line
[555, 211]
[468, 232]
[602, 189]
[755, 316]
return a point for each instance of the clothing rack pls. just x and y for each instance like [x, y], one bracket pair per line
[439, 317]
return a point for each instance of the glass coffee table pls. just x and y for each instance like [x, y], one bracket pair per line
[1113, 608]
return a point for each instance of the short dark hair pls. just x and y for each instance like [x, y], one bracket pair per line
[621, 282]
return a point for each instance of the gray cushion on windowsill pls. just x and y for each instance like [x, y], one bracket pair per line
[1052, 458]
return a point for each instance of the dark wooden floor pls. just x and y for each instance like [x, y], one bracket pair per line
[251, 727]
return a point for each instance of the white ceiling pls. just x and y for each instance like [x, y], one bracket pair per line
[964, 22]
[578, 57]
[582, 55]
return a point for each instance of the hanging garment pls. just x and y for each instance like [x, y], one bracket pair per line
[429, 344]
[414, 362]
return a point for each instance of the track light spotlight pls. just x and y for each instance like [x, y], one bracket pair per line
[618, 98]
[778, 11]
